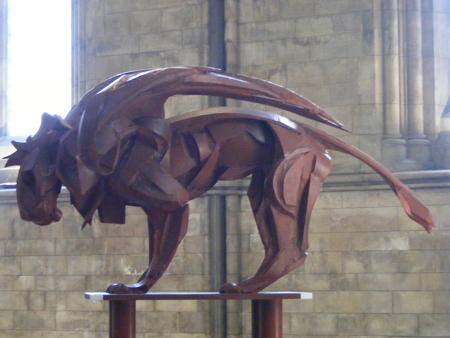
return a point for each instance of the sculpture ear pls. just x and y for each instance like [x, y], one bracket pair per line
[52, 122]
[14, 159]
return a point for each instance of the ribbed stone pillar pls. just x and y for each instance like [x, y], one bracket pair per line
[418, 145]
[3, 53]
[394, 145]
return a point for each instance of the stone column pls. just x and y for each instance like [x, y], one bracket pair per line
[394, 145]
[3, 60]
[78, 50]
[418, 145]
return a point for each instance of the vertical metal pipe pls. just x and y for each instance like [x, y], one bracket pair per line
[216, 42]
[217, 263]
[216, 207]
[122, 319]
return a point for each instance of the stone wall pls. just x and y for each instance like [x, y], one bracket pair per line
[118, 36]
[45, 270]
[373, 272]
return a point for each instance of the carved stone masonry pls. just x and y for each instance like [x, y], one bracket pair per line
[115, 148]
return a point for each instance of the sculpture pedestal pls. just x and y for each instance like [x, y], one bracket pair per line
[267, 307]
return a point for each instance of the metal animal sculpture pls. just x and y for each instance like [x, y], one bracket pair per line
[115, 148]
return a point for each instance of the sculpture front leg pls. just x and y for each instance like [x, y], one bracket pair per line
[166, 230]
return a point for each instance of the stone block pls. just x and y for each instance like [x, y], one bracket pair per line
[350, 324]
[313, 324]
[114, 6]
[264, 31]
[353, 302]
[435, 281]
[298, 307]
[380, 241]
[359, 199]
[124, 245]
[117, 265]
[310, 282]
[13, 300]
[441, 302]
[81, 321]
[324, 7]
[75, 301]
[169, 283]
[44, 283]
[443, 212]
[54, 301]
[117, 24]
[23, 283]
[6, 320]
[196, 244]
[305, 73]
[348, 22]
[37, 301]
[75, 246]
[10, 266]
[296, 9]
[194, 263]
[160, 41]
[178, 18]
[339, 70]
[435, 325]
[392, 324]
[195, 283]
[173, 306]
[162, 322]
[193, 37]
[6, 231]
[413, 302]
[343, 282]
[437, 240]
[98, 68]
[330, 241]
[193, 322]
[354, 220]
[7, 282]
[266, 10]
[177, 266]
[34, 320]
[117, 45]
[86, 265]
[324, 262]
[329, 200]
[388, 281]
[30, 247]
[145, 21]
[423, 261]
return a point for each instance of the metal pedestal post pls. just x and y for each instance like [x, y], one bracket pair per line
[122, 318]
[267, 318]
[267, 309]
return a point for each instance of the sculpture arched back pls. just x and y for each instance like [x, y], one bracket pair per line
[107, 115]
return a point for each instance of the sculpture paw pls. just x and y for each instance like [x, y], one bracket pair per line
[231, 288]
[119, 288]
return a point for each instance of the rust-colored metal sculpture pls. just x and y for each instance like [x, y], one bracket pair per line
[115, 148]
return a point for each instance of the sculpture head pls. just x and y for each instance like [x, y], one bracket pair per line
[38, 186]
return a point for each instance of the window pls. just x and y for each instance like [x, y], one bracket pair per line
[38, 61]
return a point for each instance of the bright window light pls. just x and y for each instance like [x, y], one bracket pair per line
[39, 62]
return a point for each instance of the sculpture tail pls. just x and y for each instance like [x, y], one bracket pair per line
[412, 206]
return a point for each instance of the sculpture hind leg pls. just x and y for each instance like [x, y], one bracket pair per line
[283, 219]
[165, 231]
